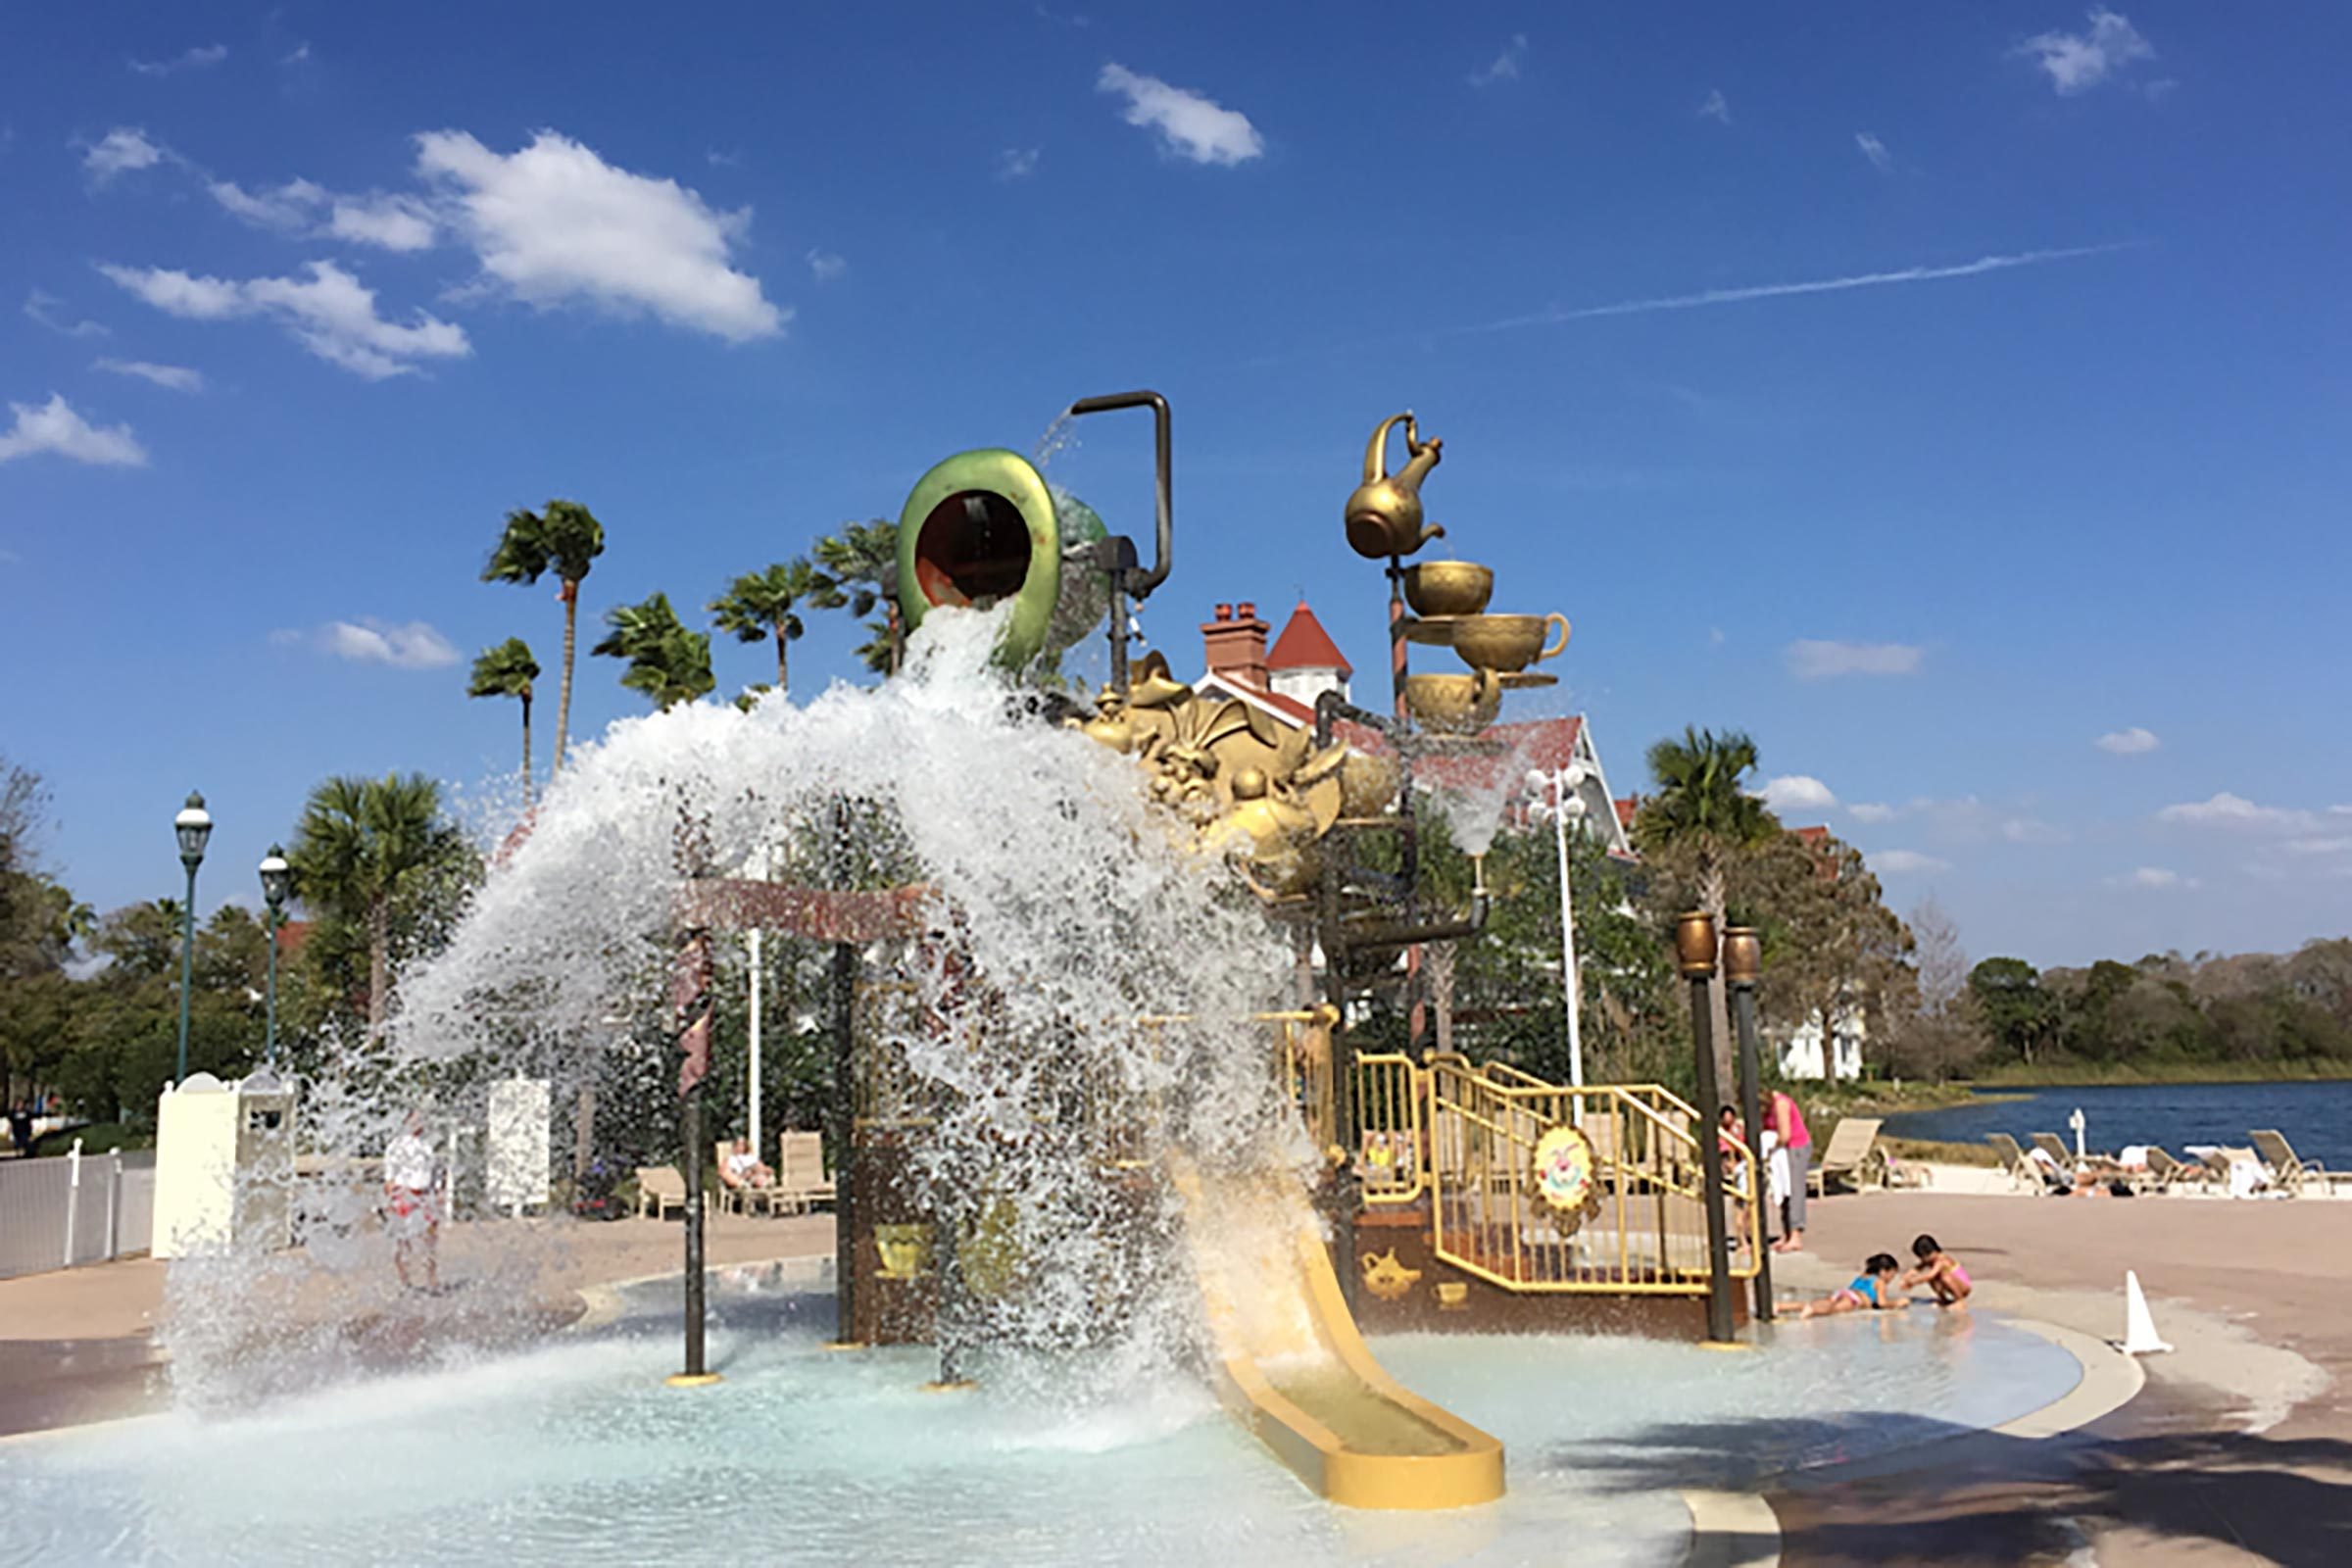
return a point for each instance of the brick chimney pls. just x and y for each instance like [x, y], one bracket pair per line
[1234, 645]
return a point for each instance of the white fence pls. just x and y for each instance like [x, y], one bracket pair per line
[56, 1213]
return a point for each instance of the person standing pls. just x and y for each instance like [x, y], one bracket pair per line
[20, 1130]
[411, 1213]
[1787, 1121]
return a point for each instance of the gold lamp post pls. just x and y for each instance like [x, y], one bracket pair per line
[1694, 953]
[1742, 968]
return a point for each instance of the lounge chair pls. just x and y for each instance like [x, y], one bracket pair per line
[1852, 1156]
[2013, 1164]
[660, 1188]
[801, 1177]
[2290, 1171]
[2051, 1145]
[2166, 1173]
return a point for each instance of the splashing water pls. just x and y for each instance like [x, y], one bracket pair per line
[1082, 1001]
[1472, 800]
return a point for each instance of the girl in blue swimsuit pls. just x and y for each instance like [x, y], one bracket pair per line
[1873, 1290]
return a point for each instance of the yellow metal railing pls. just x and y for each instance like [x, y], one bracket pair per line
[1392, 1152]
[1646, 1231]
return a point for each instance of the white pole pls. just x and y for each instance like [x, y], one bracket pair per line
[755, 1068]
[1568, 985]
[72, 1197]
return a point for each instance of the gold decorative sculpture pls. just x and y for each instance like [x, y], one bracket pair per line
[906, 1250]
[1384, 515]
[1453, 704]
[1387, 1278]
[1449, 588]
[1508, 643]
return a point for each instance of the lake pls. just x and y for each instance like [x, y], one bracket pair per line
[2316, 1117]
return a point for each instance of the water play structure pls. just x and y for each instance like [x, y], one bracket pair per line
[1435, 1191]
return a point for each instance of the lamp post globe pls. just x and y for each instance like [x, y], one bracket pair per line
[277, 879]
[193, 827]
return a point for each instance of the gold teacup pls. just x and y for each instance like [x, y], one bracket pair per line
[1447, 587]
[1508, 643]
[1453, 704]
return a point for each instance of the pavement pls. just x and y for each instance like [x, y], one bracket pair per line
[2238, 1450]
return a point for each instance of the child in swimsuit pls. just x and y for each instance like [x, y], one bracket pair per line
[1872, 1289]
[1939, 1271]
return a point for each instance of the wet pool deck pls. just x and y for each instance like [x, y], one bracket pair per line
[2239, 1451]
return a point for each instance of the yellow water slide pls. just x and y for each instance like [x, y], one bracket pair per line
[1296, 1372]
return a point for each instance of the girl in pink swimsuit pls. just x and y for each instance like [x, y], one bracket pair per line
[1939, 1271]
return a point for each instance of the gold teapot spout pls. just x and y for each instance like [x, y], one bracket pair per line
[1384, 515]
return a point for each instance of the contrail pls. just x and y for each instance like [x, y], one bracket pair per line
[1821, 285]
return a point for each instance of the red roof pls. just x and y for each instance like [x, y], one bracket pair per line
[1811, 835]
[1627, 810]
[1305, 645]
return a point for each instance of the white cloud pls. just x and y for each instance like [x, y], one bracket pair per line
[2227, 810]
[1506, 63]
[1810, 660]
[555, 225]
[1798, 792]
[1873, 812]
[176, 377]
[2033, 830]
[2334, 846]
[196, 58]
[415, 645]
[53, 426]
[300, 53]
[1717, 107]
[331, 313]
[393, 222]
[825, 266]
[2131, 742]
[2077, 62]
[42, 307]
[1900, 862]
[2152, 876]
[1876, 151]
[123, 151]
[1017, 162]
[1191, 124]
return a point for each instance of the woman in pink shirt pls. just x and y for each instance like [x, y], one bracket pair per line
[1787, 1120]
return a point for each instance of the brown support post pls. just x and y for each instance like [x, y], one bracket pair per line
[691, 1006]
[845, 1144]
[1694, 947]
[1743, 967]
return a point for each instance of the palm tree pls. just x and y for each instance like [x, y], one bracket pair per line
[566, 539]
[861, 559]
[1703, 816]
[760, 604]
[667, 662]
[363, 847]
[508, 670]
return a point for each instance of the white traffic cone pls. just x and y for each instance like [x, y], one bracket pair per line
[2139, 1324]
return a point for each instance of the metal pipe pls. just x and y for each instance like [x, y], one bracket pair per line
[1406, 933]
[691, 1128]
[1141, 584]
[187, 969]
[1694, 939]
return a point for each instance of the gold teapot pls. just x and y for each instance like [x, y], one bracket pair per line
[1384, 515]
[1453, 704]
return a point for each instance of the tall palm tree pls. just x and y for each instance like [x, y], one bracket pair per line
[861, 558]
[667, 662]
[1703, 816]
[508, 670]
[566, 539]
[761, 604]
[364, 846]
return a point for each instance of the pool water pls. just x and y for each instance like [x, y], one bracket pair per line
[575, 1453]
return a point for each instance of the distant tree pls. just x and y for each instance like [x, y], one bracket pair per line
[862, 559]
[2018, 1013]
[566, 539]
[508, 670]
[1703, 816]
[363, 849]
[766, 604]
[666, 662]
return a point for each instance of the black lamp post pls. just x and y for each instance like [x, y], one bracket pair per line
[1695, 951]
[1743, 967]
[194, 826]
[278, 878]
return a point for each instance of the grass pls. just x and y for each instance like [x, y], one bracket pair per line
[2069, 1074]
[97, 1138]
[1931, 1151]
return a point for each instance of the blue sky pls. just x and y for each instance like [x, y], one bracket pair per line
[1954, 398]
